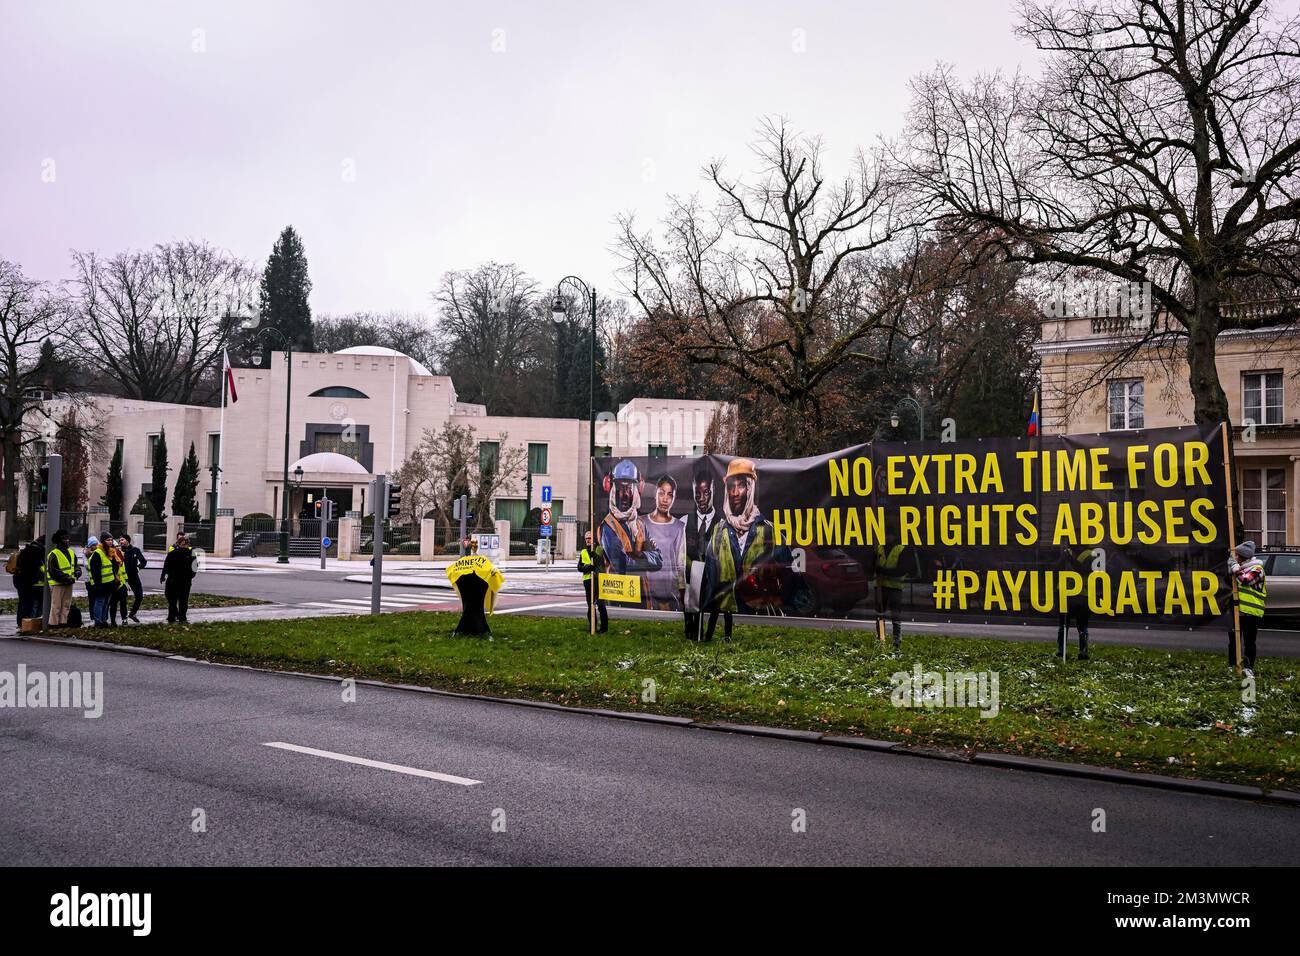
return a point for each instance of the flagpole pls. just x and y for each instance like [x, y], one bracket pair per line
[221, 442]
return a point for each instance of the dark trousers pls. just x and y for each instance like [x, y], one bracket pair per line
[713, 623]
[31, 603]
[1249, 630]
[602, 610]
[117, 604]
[1081, 616]
[99, 597]
[137, 589]
[178, 603]
[893, 601]
[694, 631]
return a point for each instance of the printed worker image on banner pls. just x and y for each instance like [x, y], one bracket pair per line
[1133, 524]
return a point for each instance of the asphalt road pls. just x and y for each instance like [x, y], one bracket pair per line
[179, 737]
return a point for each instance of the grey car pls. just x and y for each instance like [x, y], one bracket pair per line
[1282, 577]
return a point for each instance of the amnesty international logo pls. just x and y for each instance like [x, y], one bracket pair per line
[625, 588]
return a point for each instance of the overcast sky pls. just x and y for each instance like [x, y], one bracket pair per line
[508, 131]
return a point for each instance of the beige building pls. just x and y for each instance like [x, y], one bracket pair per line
[359, 412]
[1098, 375]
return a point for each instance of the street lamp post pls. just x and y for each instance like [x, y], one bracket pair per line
[920, 413]
[283, 557]
[559, 313]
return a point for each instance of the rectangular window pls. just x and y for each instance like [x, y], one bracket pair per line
[658, 451]
[1263, 505]
[604, 451]
[489, 457]
[537, 458]
[1125, 404]
[513, 510]
[214, 449]
[557, 509]
[153, 446]
[697, 450]
[335, 442]
[1261, 397]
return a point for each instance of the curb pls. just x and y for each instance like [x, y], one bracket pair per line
[993, 760]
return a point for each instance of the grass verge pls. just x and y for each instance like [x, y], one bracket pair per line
[155, 602]
[1179, 713]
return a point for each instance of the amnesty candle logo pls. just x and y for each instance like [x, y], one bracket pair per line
[625, 588]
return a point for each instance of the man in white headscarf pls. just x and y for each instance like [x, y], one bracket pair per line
[738, 544]
[627, 548]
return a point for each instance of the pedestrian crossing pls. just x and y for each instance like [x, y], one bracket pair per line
[399, 601]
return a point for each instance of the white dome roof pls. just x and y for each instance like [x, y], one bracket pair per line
[381, 350]
[328, 461]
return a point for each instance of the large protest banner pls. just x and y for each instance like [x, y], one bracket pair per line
[1132, 524]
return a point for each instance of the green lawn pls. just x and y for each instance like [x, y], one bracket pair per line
[152, 602]
[1128, 707]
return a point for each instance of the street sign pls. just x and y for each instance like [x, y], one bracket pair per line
[326, 541]
[546, 494]
[546, 516]
[544, 531]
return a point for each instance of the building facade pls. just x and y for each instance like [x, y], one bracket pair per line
[1104, 374]
[371, 406]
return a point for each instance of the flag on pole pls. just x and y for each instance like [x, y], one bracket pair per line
[230, 375]
[1033, 419]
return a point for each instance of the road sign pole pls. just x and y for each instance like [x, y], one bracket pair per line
[464, 515]
[324, 523]
[379, 507]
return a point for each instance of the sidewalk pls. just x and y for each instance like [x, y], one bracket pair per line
[391, 563]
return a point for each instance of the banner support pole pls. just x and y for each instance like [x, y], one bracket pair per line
[1232, 546]
[595, 543]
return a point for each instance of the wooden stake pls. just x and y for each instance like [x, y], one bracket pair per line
[1232, 546]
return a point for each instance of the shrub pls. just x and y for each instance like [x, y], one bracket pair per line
[143, 506]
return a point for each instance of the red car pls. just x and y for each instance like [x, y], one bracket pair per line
[831, 582]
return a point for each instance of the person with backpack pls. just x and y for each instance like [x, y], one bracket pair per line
[134, 560]
[177, 576]
[28, 569]
[63, 571]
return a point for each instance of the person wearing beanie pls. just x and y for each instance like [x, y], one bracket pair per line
[1252, 593]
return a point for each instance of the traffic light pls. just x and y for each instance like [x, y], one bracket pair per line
[45, 484]
[320, 511]
[394, 500]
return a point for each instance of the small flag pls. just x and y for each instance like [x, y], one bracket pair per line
[1033, 419]
[230, 375]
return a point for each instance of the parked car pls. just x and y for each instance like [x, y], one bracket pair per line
[1282, 576]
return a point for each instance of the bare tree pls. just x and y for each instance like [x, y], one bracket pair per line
[156, 322]
[409, 333]
[448, 463]
[490, 335]
[30, 315]
[782, 282]
[1160, 145]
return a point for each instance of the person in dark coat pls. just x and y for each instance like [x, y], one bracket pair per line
[29, 581]
[135, 560]
[177, 576]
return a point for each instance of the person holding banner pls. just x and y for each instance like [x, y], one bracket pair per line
[1078, 559]
[889, 584]
[586, 564]
[1252, 593]
[627, 547]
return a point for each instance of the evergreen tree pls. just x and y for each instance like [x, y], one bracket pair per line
[158, 491]
[283, 298]
[113, 493]
[184, 501]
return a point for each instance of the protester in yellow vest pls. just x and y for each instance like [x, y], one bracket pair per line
[890, 578]
[1078, 558]
[61, 568]
[1252, 595]
[117, 599]
[101, 580]
[587, 559]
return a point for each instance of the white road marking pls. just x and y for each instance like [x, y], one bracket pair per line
[377, 764]
[539, 607]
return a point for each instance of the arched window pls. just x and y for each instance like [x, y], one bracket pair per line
[338, 391]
